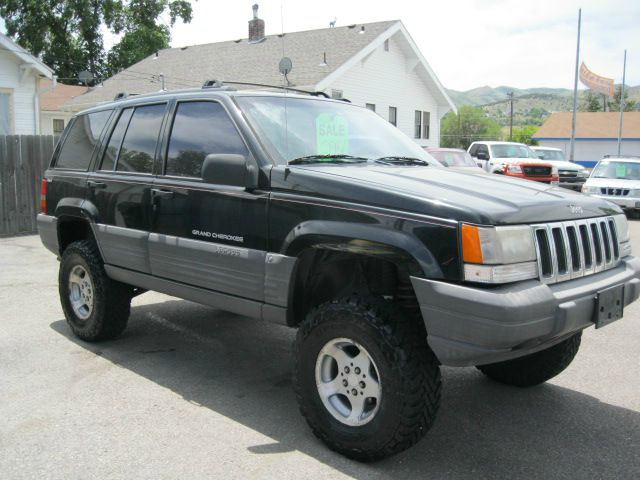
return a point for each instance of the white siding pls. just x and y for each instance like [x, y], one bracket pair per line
[23, 94]
[384, 80]
[590, 151]
[46, 121]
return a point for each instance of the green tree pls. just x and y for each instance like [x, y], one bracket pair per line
[591, 102]
[614, 103]
[468, 125]
[65, 34]
[523, 134]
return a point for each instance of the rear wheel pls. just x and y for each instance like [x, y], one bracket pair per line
[535, 368]
[366, 381]
[95, 307]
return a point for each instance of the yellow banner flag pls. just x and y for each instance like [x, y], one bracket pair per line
[595, 82]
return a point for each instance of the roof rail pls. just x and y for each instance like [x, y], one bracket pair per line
[216, 84]
[123, 95]
[621, 156]
[221, 84]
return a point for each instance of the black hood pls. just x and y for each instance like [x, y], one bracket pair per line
[440, 192]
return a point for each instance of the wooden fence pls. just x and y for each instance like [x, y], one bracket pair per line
[23, 160]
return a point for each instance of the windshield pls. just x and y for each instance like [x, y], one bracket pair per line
[453, 159]
[315, 127]
[512, 151]
[621, 170]
[550, 155]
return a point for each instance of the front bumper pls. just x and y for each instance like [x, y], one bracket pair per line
[624, 202]
[572, 183]
[476, 326]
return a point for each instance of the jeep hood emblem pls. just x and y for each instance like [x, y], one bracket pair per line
[576, 209]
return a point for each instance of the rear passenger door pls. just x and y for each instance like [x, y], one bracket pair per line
[120, 187]
[206, 235]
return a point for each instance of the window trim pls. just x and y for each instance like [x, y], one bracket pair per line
[168, 128]
[12, 109]
[53, 123]
[103, 151]
[367, 105]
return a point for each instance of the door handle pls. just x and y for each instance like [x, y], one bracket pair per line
[159, 193]
[94, 184]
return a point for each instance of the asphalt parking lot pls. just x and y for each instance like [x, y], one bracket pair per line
[192, 392]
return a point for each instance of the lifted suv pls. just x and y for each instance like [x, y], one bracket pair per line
[318, 214]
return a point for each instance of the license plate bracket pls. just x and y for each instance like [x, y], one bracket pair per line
[609, 305]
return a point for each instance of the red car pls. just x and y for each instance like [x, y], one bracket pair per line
[529, 169]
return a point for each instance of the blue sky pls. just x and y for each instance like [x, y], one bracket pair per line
[469, 43]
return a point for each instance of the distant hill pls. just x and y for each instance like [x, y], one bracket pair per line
[531, 106]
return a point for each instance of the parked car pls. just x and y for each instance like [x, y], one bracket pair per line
[616, 179]
[514, 160]
[340, 226]
[455, 158]
[572, 175]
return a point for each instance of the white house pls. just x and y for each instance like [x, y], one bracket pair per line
[53, 96]
[20, 74]
[376, 65]
[596, 134]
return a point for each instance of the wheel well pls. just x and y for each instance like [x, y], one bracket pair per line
[324, 274]
[71, 230]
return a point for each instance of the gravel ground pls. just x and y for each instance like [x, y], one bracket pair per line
[192, 392]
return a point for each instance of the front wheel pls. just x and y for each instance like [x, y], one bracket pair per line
[535, 368]
[366, 381]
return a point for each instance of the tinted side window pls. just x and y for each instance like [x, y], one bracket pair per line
[473, 150]
[139, 144]
[82, 138]
[111, 153]
[199, 129]
[483, 149]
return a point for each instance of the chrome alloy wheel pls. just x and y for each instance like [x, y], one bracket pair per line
[348, 382]
[81, 292]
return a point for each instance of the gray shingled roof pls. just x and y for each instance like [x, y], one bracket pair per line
[240, 61]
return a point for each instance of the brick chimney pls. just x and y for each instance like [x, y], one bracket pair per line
[256, 27]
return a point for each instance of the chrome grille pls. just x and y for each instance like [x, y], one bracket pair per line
[567, 173]
[616, 192]
[577, 248]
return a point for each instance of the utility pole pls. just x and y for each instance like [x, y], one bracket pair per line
[572, 143]
[624, 71]
[511, 117]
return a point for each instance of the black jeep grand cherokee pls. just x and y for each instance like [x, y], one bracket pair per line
[320, 215]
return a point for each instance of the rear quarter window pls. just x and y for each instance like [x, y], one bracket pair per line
[80, 142]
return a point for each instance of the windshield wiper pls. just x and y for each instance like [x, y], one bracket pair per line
[398, 160]
[332, 158]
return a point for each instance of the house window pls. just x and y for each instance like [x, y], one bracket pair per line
[58, 126]
[426, 123]
[393, 116]
[417, 131]
[6, 112]
[386, 45]
[371, 106]
[337, 94]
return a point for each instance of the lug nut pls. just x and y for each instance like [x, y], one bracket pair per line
[362, 385]
[358, 370]
[347, 369]
[354, 392]
[345, 383]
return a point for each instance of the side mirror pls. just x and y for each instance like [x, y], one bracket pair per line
[229, 169]
[482, 156]
[541, 156]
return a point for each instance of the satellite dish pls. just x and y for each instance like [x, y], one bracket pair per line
[285, 66]
[85, 76]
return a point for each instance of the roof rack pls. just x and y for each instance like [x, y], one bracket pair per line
[221, 85]
[621, 156]
[123, 95]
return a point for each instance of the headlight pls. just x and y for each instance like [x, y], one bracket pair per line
[498, 254]
[554, 170]
[583, 173]
[514, 169]
[622, 231]
[590, 189]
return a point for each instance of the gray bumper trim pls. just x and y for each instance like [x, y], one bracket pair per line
[473, 326]
[48, 231]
